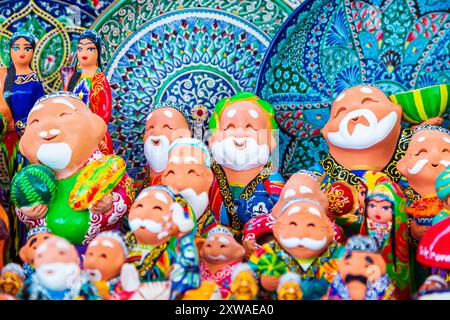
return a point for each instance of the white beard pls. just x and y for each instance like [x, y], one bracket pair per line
[198, 203]
[62, 277]
[55, 155]
[157, 156]
[227, 155]
[363, 137]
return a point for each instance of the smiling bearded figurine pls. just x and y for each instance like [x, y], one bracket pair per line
[303, 244]
[58, 274]
[362, 273]
[302, 184]
[189, 173]
[104, 258]
[220, 254]
[363, 133]
[63, 134]
[162, 239]
[243, 137]
[35, 237]
[166, 121]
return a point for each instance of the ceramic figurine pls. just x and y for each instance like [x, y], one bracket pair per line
[303, 243]
[432, 285]
[166, 121]
[305, 184]
[4, 234]
[11, 279]
[220, 254]
[362, 273]
[27, 252]
[22, 87]
[363, 133]
[443, 193]
[103, 262]
[93, 191]
[289, 287]
[162, 239]
[58, 274]
[246, 183]
[243, 284]
[386, 221]
[208, 290]
[433, 250]
[189, 173]
[90, 84]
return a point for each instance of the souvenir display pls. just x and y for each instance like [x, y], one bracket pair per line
[58, 273]
[11, 279]
[89, 82]
[243, 284]
[289, 287]
[303, 243]
[189, 172]
[433, 250]
[219, 255]
[443, 193]
[64, 135]
[386, 222]
[162, 239]
[165, 122]
[242, 139]
[361, 273]
[27, 253]
[103, 262]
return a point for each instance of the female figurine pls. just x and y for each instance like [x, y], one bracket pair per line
[90, 83]
[387, 222]
[22, 87]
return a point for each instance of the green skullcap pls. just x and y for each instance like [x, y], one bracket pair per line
[242, 96]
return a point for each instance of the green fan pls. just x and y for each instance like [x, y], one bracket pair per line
[34, 184]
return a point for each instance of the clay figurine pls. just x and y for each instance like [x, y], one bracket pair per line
[35, 237]
[243, 283]
[11, 279]
[289, 287]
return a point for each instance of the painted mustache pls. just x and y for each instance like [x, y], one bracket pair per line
[350, 277]
[418, 166]
[219, 257]
[308, 243]
[148, 224]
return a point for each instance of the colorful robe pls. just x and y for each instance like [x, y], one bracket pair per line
[380, 290]
[150, 181]
[271, 259]
[80, 227]
[332, 171]
[257, 198]
[95, 91]
[395, 248]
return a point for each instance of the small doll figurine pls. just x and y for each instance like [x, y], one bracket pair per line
[189, 173]
[386, 221]
[11, 279]
[289, 287]
[362, 273]
[303, 243]
[90, 83]
[220, 254]
[58, 274]
[443, 193]
[93, 191]
[27, 253]
[166, 122]
[103, 262]
[243, 136]
[162, 239]
[208, 290]
[243, 283]
[22, 87]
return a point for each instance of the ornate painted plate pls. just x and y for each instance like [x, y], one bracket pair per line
[326, 46]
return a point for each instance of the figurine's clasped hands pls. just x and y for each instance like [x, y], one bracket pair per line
[35, 212]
